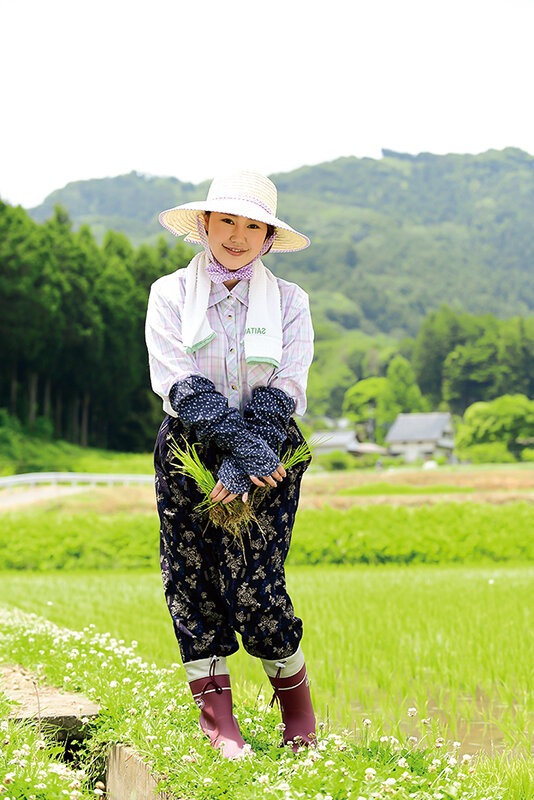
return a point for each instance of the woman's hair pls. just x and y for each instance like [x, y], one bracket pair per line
[270, 228]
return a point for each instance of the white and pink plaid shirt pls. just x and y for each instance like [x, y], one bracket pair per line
[223, 359]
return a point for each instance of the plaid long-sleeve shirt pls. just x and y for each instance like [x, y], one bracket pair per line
[223, 359]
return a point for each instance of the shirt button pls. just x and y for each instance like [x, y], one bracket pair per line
[229, 297]
[234, 387]
[231, 349]
[229, 316]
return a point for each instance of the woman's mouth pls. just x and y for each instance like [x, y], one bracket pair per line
[234, 251]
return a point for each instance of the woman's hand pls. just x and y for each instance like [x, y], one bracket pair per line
[278, 475]
[220, 494]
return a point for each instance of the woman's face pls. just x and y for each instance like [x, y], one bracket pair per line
[234, 241]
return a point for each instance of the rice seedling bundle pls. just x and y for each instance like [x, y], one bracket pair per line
[236, 516]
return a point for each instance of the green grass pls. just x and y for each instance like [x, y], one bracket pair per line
[384, 488]
[151, 708]
[441, 533]
[33, 454]
[448, 640]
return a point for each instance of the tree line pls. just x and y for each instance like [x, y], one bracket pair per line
[74, 362]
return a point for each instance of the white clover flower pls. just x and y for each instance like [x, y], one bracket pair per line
[402, 762]
[280, 726]
[367, 723]
[452, 761]
[370, 773]
[208, 781]
[412, 712]
[330, 764]
[426, 721]
[113, 684]
[390, 782]
[466, 757]
[457, 744]
[263, 779]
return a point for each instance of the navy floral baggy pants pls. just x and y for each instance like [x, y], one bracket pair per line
[214, 586]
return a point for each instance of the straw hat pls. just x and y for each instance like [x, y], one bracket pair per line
[245, 194]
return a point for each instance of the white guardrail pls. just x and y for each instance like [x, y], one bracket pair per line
[72, 478]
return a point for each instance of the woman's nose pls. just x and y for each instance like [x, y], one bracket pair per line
[239, 232]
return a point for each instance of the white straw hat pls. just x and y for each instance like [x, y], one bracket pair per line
[244, 194]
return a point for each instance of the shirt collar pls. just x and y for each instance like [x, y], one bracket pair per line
[220, 292]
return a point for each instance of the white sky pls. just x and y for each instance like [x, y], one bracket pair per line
[192, 89]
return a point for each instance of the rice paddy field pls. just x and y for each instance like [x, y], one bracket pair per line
[416, 589]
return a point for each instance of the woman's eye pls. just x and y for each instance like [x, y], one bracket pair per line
[227, 219]
[253, 226]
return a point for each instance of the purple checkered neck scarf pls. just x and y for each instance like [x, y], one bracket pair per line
[217, 271]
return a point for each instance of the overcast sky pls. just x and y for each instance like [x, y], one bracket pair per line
[192, 89]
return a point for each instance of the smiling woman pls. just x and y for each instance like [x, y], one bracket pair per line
[230, 346]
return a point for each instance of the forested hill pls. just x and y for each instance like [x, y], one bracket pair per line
[393, 238]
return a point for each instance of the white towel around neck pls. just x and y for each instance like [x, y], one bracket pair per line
[263, 328]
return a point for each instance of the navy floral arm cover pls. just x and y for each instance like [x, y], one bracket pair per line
[267, 415]
[200, 406]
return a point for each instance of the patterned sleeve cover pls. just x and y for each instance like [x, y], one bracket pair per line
[200, 406]
[267, 415]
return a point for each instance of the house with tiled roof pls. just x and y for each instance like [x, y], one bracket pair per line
[421, 436]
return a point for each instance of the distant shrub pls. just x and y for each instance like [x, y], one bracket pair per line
[335, 461]
[527, 454]
[43, 428]
[488, 453]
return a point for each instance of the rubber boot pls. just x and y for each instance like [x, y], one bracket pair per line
[292, 690]
[213, 695]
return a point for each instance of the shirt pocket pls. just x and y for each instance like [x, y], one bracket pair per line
[259, 375]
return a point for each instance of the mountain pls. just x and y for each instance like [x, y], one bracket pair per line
[392, 238]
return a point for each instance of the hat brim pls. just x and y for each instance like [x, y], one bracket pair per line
[182, 221]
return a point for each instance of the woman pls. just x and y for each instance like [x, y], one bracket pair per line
[230, 347]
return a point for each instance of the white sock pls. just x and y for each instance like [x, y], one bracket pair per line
[201, 668]
[288, 666]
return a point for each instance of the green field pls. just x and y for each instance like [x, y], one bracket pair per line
[449, 641]
[433, 534]
[426, 607]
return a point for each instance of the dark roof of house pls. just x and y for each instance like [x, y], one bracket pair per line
[418, 427]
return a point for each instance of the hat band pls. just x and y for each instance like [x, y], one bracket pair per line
[246, 199]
